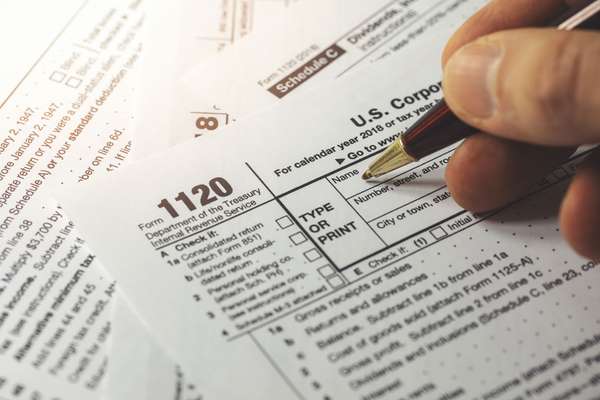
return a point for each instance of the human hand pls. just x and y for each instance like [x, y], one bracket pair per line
[537, 92]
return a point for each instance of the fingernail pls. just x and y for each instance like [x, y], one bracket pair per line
[469, 79]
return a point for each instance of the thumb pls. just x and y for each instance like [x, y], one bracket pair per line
[536, 85]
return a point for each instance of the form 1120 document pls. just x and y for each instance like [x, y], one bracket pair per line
[262, 254]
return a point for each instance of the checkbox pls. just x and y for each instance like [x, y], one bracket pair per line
[326, 271]
[73, 82]
[284, 222]
[312, 255]
[438, 233]
[298, 238]
[335, 281]
[57, 76]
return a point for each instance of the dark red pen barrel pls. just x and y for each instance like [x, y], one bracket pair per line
[437, 129]
[440, 128]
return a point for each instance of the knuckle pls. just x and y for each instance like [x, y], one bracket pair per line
[559, 81]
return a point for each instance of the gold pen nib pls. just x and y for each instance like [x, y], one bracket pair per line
[392, 158]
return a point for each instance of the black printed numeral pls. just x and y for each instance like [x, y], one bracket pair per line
[216, 187]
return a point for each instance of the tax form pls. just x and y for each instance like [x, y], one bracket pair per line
[261, 252]
[63, 118]
[174, 45]
[182, 33]
[313, 44]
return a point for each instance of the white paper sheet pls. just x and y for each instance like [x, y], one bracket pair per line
[63, 48]
[140, 368]
[185, 34]
[63, 117]
[320, 44]
[262, 253]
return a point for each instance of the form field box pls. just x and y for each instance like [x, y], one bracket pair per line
[335, 281]
[438, 232]
[326, 271]
[57, 76]
[73, 82]
[298, 238]
[284, 222]
[312, 255]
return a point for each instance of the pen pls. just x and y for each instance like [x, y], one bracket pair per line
[440, 127]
